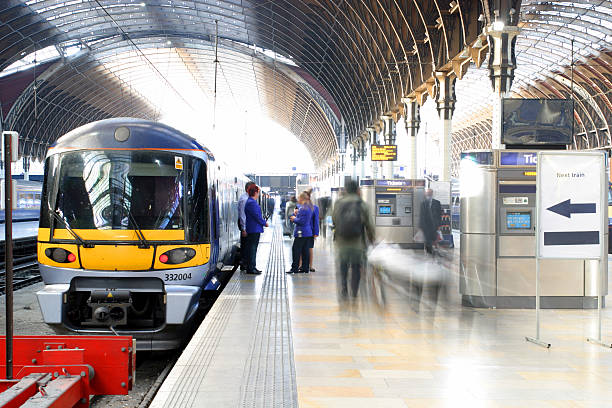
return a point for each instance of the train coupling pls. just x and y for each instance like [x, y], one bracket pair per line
[110, 307]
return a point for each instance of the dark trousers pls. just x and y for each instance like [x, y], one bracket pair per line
[252, 241]
[300, 249]
[355, 277]
[431, 235]
[243, 250]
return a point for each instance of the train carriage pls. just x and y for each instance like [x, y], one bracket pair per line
[136, 219]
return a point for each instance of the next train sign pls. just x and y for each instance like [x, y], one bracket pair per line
[571, 204]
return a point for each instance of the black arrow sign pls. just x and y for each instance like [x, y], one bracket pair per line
[571, 238]
[566, 208]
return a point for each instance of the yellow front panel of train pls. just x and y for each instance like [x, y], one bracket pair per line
[117, 258]
[113, 235]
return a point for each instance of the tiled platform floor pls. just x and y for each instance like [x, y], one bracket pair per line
[359, 354]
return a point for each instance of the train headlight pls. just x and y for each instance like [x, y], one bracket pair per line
[60, 255]
[177, 256]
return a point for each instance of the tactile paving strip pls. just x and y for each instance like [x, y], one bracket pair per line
[183, 392]
[269, 374]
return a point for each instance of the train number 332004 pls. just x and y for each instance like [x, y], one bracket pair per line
[177, 276]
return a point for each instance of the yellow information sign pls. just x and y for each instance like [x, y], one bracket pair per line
[384, 152]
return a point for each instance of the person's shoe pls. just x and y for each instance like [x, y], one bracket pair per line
[291, 271]
[302, 271]
[255, 272]
[312, 269]
[242, 268]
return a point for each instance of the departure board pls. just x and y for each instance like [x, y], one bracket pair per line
[384, 152]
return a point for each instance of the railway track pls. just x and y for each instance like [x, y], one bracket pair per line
[25, 264]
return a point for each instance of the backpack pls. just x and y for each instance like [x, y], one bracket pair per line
[350, 224]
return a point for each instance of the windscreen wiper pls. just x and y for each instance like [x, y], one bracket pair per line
[144, 244]
[77, 238]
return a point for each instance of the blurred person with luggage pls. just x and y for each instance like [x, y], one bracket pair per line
[353, 233]
[430, 220]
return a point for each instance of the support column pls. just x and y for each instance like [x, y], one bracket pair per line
[502, 62]
[362, 156]
[413, 123]
[354, 157]
[445, 104]
[389, 137]
[373, 140]
[26, 168]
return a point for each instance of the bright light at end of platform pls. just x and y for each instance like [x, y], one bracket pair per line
[249, 143]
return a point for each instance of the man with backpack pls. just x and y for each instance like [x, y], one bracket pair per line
[353, 232]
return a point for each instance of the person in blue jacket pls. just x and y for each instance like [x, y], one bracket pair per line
[302, 234]
[254, 227]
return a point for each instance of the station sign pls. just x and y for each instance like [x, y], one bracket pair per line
[384, 152]
[571, 204]
[523, 159]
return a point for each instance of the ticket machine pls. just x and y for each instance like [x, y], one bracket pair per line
[497, 254]
[394, 206]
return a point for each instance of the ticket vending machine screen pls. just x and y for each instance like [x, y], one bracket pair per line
[384, 209]
[518, 220]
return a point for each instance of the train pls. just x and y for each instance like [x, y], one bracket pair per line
[26, 202]
[137, 220]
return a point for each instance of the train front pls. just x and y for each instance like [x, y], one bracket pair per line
[123, 243]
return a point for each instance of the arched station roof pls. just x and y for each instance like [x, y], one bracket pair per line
[544, 54]
[325, 69]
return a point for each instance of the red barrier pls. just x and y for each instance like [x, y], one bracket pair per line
[63, 371]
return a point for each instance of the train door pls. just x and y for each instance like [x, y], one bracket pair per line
[214, 230]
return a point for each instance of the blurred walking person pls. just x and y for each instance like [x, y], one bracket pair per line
[430, 219]
[254, 227]
[289, 211]
[302, 234]
[324, 204]
[242, 225]
[353, 232]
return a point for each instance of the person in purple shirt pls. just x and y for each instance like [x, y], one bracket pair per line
[302, 234]
[254, 227]
[315, 230]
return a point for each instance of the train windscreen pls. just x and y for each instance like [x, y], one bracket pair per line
[101, 189]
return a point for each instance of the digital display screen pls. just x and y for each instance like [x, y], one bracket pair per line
[384, 209]
[518, 220]
[537, 121]
[485, 158]
[383, 152]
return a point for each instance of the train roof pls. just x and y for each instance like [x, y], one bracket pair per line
[140, 134]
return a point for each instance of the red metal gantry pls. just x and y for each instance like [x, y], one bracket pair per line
[63, 371]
